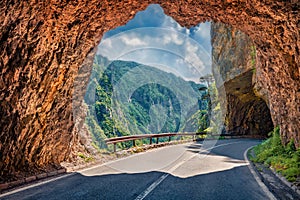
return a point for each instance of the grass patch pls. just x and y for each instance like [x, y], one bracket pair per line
[284, 159]
[85, 158]
[137, 150]
[253, 57]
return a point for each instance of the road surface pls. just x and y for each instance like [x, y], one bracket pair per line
[209, 170]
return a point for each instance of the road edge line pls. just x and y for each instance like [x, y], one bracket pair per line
[36, 184]
[256, 177]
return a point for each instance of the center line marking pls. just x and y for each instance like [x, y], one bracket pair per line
[163, 177]
[151, 187]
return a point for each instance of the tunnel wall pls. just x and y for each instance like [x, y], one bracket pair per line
[44, 44]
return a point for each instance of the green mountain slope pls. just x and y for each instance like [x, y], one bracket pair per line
[126, 98]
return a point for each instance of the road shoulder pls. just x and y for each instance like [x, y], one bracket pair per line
[274, 183]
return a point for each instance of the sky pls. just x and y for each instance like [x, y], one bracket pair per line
[155, 39]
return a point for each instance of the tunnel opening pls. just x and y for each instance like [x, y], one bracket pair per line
[235, 59]
[54, 46]
[121, 74]
[146, 78]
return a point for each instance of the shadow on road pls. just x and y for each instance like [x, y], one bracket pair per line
[228, 184]
[234, 183]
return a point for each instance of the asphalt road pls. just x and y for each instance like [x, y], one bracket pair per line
[187, 171]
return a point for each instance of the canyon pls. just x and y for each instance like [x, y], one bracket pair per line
[47, 48]
[234, 59]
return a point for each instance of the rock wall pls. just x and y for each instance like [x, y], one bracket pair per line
[234, 59]
[44, 43]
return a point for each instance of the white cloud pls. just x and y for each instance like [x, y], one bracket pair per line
[192, 55]
[187, 31]
[203, 30]
[133, 40]
[173, 37]
[104, 47]
[172, 47]
[179, 61]
[177, 38]
[191, 48]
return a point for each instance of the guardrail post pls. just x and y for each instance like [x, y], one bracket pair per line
[177, 136]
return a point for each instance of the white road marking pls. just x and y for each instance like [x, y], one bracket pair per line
[73, 173]
[260, 183]
[160, 179]
[151, 187]
[163, 177]
[35, 185]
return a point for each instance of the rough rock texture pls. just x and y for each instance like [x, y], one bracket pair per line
[234, 58]
[44, 43]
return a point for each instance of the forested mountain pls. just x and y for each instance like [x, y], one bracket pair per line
[126, 98]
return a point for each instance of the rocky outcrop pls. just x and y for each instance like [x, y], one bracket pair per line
[234, 58]
[44, 43]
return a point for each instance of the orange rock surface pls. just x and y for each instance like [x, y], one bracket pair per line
[44, 44]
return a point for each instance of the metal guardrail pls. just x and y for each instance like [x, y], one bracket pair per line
[133, 138]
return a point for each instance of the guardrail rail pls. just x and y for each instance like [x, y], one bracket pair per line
[133, 138]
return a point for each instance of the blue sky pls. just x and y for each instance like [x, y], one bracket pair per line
[155, 39]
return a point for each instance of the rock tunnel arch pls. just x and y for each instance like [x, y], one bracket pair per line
[43, 47]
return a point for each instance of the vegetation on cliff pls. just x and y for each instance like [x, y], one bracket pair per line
[149, 108]
[284, 159]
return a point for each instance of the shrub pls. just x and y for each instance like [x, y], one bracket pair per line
[284, 159]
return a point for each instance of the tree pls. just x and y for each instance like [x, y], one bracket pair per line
[208, 79]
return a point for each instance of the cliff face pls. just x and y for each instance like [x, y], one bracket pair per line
[44, 44]
[234, 59]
